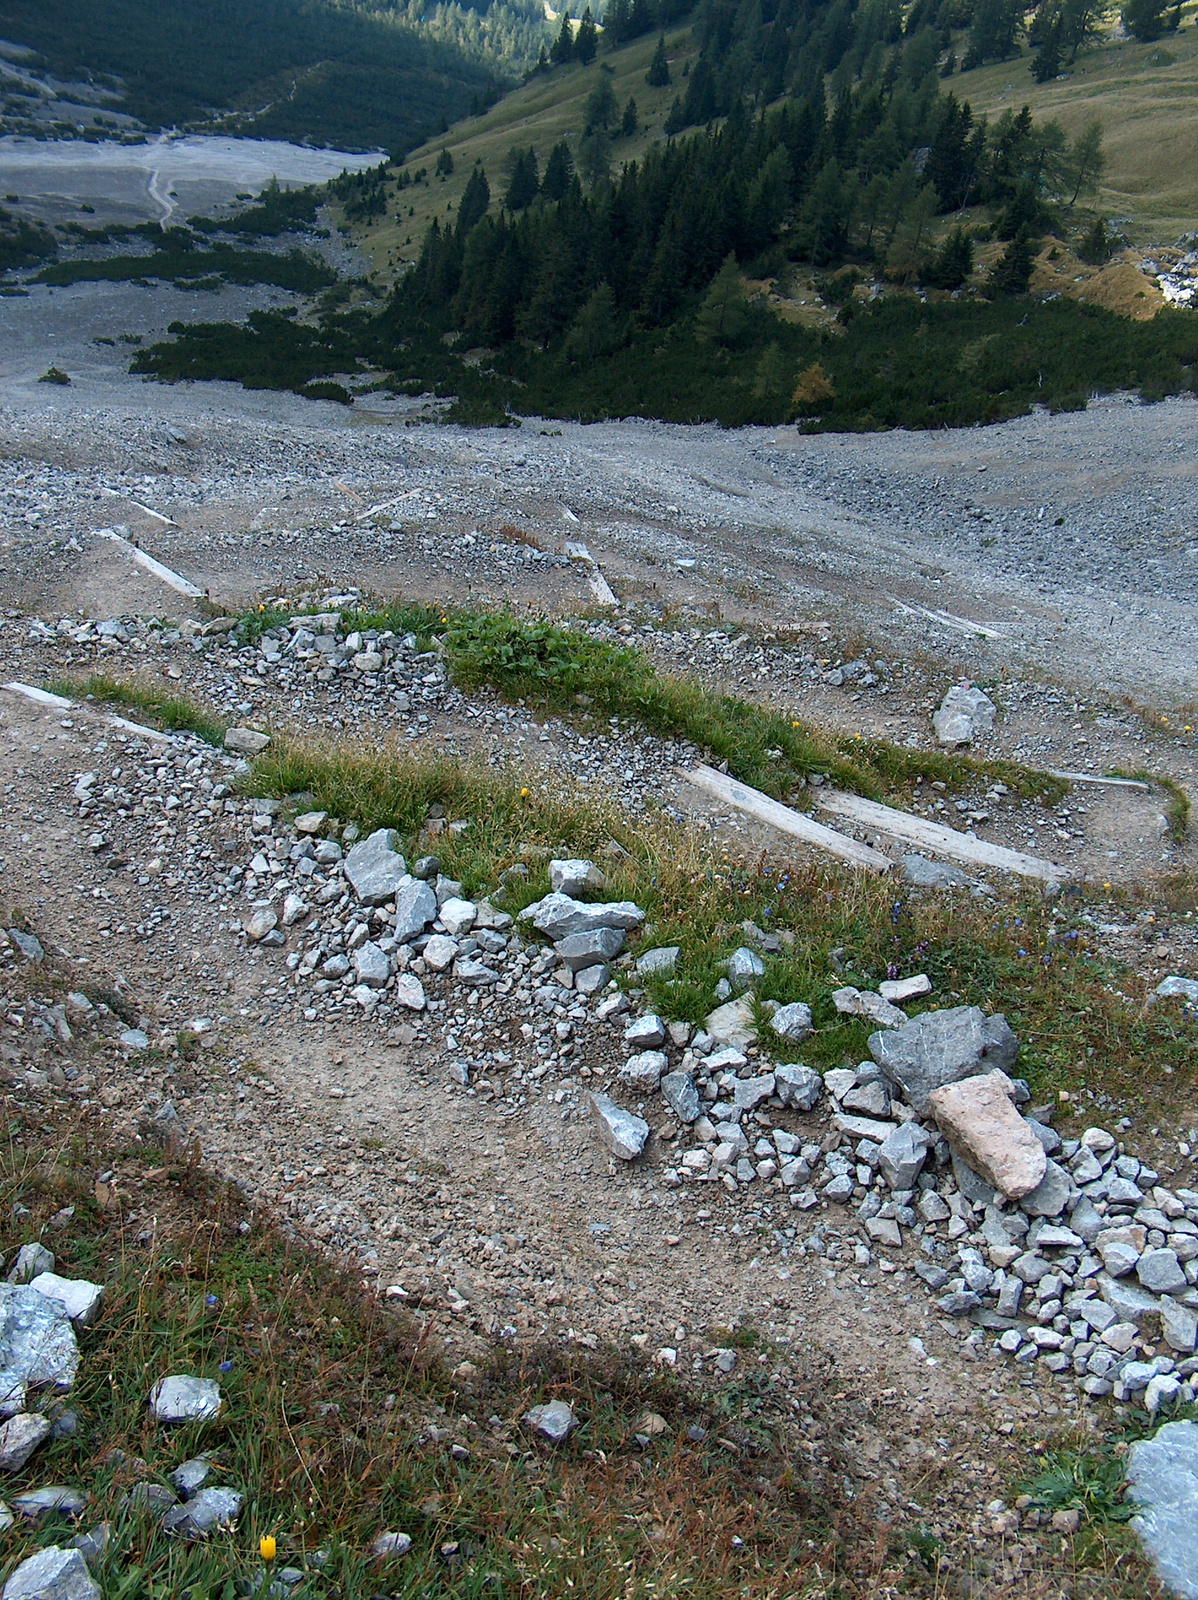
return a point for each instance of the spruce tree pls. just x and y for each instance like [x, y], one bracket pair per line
[724, 311]
[559, 169]
[658, 75]
[1012, 272]
[525, 181]
[563, 45]
[629, 122]
[1144, 19]
[475, 201]
[586, 40]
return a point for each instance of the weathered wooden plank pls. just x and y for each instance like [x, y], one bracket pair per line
[785, 819]
[934, 836]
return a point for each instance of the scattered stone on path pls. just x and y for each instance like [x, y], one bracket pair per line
[597, 946]
[37, 1340]
[52, 1574]
[943, 1047]
[644, 1071]
[258, 925]
[798, 1086]
[246, 741]
[554, 1421]
[899, 990]
[409, 992]
[679, 1092]
[559, 914]
[792, 1022]
[1184, 988]
[645, 1033]
[865, 1003]
[659, 962]
[921, 873]
[391, 1544]
[978, 1118]
[32, 1259]
[732, 1024]
[624, 1133]
[1162, 1478]
[191, 1476]
[184, 1399]
[415, 908]
[575, 877]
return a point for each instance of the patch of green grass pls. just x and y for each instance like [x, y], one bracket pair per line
[1089, 1482]
[328, 1398]
[172, 713]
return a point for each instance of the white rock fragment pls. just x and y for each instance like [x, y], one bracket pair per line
[79, 1298]
[180, 1398]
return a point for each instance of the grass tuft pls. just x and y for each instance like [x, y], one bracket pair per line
[171, 713]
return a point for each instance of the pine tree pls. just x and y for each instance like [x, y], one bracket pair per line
[1085, 162]
[629, 122]
[563, 45]
[814, 389]
[1046, 62]
[594, 156]
[586, 40]
[1095, 248]
[658, 75]
[475, 201]
[596, 330]
[615, 23]
[525, 181]
[543, 61]
[724, 311]
[444, 167]
[1144, 19]
[559, 169]
[1012, 272]
[953, 262]
[601, 107]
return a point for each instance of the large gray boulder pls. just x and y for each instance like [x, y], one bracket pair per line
[374, 867]
[964, 713]
[798, 1086]
[942, 1047]
[1162, 1478]
[578, 951]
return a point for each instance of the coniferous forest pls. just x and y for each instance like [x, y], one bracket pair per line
[827, 137]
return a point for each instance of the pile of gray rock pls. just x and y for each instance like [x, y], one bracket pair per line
[1085, 1263]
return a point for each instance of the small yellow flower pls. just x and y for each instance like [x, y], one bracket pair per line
[524, 794]
[266, 1547]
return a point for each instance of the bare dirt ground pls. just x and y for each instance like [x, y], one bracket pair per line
[500, 1216]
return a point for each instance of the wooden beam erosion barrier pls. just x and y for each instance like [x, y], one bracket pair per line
[934, 836]
[759, 806]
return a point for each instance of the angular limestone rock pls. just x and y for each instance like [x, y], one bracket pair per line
[558, 915]
[978, 1118]
[942, 1047]
[52, 1574]
[374, 867]
[624, 1133]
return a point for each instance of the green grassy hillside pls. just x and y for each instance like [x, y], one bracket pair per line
[1146, 96]
[547, 108]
